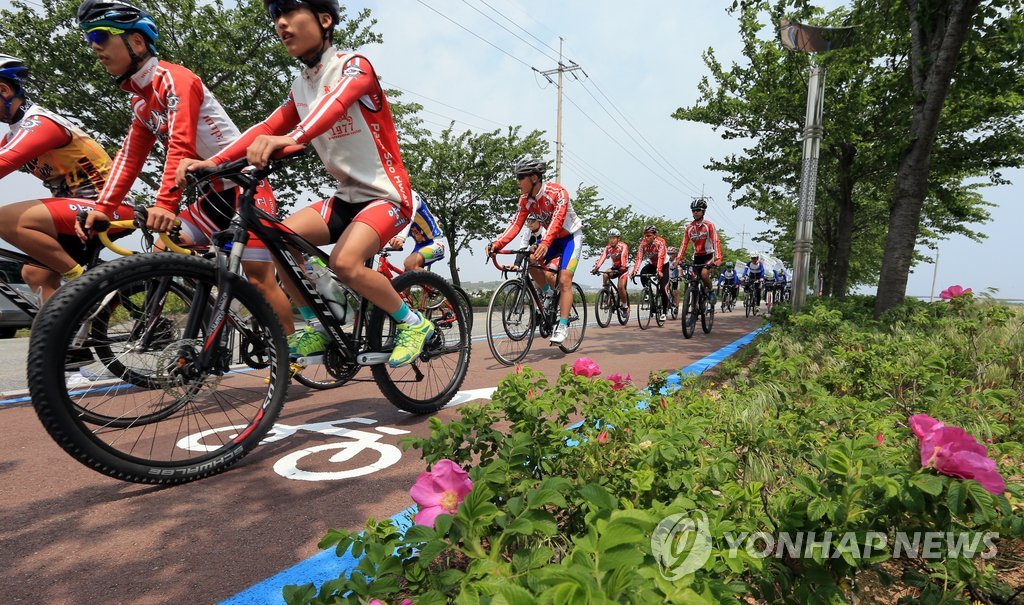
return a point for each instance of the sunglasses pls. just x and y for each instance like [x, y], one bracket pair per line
[100, 35]
[283, 7]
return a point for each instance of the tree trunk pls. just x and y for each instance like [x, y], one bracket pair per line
[844, 235]
[936, 37]
[452, 265]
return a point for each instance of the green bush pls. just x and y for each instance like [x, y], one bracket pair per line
[810, 437]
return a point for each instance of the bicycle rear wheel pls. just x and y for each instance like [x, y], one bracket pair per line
[427, 384]
[152, 429]
[643, 309]
[577, 321]
[604, 306]
[510, 322]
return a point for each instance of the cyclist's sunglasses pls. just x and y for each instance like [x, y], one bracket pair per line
[283, 7]
[100, 35]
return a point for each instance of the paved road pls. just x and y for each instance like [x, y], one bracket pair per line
[13, 352]
[69, 535]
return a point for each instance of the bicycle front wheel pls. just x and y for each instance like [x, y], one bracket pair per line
[577, 321]
[604, 306]
[643, 309]
[689, 312]
[707, 316]
[428, 383]
[147, 433]
[510, 322]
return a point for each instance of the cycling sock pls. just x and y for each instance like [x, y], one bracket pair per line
[564, 321]
[307, 313]
[545, 290]
[406, 315]
[73, 272]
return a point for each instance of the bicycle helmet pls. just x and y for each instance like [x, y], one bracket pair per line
[729, 264]
[755, 255]
[13, 72]
[93, 14]
[699, 204]
[614, 233]
[650, 229]
[534, 217]
[673, 251]
[528, 165]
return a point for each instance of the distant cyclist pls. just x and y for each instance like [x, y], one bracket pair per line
[707, 250]
[618, 252]
[425, 232]
[753, 279]
[729, 280]
[674, 275]
[71, 165]
[653, 249]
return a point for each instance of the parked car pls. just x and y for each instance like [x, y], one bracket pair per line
[12, 318]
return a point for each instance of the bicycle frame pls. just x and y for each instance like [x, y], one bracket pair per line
[524, 278]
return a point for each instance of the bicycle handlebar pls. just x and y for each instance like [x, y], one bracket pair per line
[104, 238]
[237, 167]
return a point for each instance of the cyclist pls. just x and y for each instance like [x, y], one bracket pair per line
[618, 251]
[563, 238]
[753, 279]
[653, 249]
[71, 165]
[425, 231]
[730, 279]
[338, 106]
[707, 250]
[782, 279]
[170, 104]
[674, 275]
[770, 284]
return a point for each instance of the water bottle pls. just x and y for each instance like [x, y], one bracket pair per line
[330, 288]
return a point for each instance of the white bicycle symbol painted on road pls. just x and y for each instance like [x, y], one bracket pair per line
[356, 442]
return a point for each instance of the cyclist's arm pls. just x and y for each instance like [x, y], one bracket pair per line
[601, 259]
[683, 244]
[357, 80]
[624, 257]
[126, 167]
[639, 259]
[514, 227]
[662, 251]
[281, 121]
[31, 142]
[716, 244]
[182, 124]
[557, 218]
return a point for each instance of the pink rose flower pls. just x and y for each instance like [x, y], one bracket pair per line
[952, 451]
[440, 491]
[619, 381]
[602, 438]
[880, 438]
[585, 366]
[953, 292]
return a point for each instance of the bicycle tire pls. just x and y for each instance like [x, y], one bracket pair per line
[747, 303]
[577, 321]
[55, 329]
[623, 310]
[604, 307]
[451, 337]
[510, 309]
[643, 309]
[688, 310]
[467, 306]
[657, 311]
[707, 316]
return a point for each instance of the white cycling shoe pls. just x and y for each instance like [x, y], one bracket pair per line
[559, 334]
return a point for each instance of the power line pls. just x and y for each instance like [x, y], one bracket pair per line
[474, 34]
[521, 39]
[513, 22]
[469, 113]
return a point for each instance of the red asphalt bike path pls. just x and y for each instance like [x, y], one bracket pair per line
[70, 535]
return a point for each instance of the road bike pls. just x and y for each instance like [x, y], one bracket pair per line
[608, 302]
[517, 311]
[696, 301]
[648, 304]
[210, 312]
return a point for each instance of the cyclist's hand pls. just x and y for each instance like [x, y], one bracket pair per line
[84, 231]
[540, 252]
[397, 242]
[160, 220]
[190, 165]
[258, 154]
[490, 250]
[659, 275]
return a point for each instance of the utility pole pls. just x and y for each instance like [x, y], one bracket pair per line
[743, 238]
[935, 274]
[560, 70]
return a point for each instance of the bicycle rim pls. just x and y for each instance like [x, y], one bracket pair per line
[707, 317]
[623, 311]
[643, 310]
[194, 423]
[577, 321]
[510, 323]
[603, 308]
[688, 312]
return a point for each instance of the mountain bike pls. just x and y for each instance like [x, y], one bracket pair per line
[213, 314]
[727, 294]
[752, 296]
[648, 305]
[517, 311]
[608, 302]
[696, 301]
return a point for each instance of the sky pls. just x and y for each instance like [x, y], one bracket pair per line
[642, 62]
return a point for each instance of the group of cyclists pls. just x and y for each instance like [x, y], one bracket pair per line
[373, 205]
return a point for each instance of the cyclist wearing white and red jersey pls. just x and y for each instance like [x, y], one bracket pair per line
[170, 104]
[618, 251]
[564, 236]
[68, 162]
[652, 248]
[707, 250]
[337, 105]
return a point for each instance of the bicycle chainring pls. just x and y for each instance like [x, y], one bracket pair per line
[253, 350]
[337, 366]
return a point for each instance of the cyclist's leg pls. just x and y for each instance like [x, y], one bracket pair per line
[424, 255]
[663, 288]
[30, 227]
[569, 249]
[623, 280]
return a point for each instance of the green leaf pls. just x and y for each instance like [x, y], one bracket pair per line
[806, 485]
[513, 594]
[520, 526]
[598, 497]
[928, 483]
[817, 509]
[298, 595]
[956, 497]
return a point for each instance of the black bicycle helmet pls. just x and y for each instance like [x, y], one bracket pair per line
[528, 165]
[699, 204]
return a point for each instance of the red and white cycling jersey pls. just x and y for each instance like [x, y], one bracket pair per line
[654, 250]
[705, 240]
[340, 107]
[68, 161]
[619, 253]
[553, 207]
[170, 104]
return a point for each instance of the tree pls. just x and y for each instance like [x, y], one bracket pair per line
[467, 179]
[232, 48]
